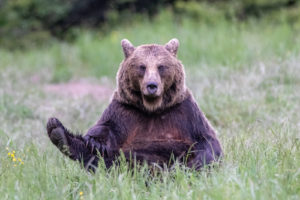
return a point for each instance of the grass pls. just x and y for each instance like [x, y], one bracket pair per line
[245, 77]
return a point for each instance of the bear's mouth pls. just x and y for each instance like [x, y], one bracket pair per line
[151, 98]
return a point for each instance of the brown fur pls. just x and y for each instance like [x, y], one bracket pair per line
[129, 77]
[149, 127]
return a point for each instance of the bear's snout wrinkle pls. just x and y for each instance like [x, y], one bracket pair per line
[152, 88]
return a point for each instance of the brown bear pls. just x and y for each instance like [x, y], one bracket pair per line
[151, 118]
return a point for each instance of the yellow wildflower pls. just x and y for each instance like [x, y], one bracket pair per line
[80, 193]
[14, 158]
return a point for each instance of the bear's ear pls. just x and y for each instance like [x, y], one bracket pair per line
[172, 46]
[128, 48]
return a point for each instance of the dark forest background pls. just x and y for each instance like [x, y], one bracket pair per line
[31, 22]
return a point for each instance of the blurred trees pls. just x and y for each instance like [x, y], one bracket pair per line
[38, 19]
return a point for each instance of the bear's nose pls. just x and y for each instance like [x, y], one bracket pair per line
[152, 87]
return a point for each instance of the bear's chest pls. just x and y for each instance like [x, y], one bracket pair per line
[155, 139]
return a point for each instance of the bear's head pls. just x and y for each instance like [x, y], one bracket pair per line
[151, 77]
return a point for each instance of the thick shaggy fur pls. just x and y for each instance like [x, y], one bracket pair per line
[172, 78]
[147, 128]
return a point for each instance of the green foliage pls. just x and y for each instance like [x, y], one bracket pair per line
[29, 23]
[29, 20]
[33, 22]
[223, 43]
[204, 12]
[211, 11]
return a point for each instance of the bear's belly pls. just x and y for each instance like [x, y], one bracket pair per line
[157, 146]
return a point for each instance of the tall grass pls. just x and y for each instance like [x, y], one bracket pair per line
[245, 77]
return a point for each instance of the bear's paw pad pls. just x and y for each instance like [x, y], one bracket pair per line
[53, 123]
[57, 135]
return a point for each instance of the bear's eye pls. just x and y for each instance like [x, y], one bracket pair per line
[161, 68]
[142, 68]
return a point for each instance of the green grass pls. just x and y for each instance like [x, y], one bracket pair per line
[245, 77]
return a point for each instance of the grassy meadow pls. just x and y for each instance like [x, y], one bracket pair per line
[244, 75]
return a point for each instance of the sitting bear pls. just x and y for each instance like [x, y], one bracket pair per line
[151, 118]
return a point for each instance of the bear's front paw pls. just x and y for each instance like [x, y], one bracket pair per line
[57, 135]
[53, 123]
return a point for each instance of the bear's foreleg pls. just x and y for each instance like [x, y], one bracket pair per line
[205, 154]
[73, 146]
